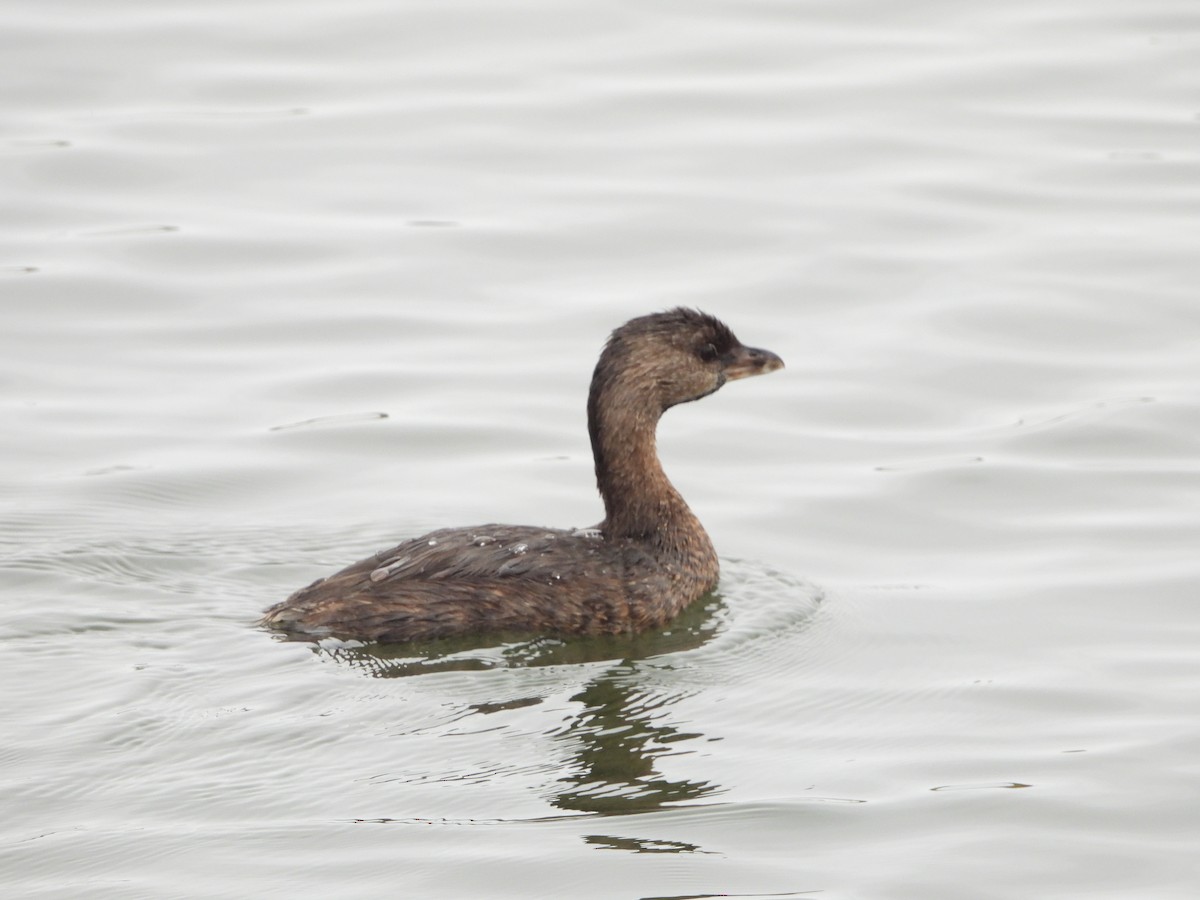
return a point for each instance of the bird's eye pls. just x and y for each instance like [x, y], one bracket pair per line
[707, 352]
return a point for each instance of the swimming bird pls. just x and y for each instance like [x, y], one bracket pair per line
[637, 569]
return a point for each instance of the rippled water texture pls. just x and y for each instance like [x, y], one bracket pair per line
[281, 284]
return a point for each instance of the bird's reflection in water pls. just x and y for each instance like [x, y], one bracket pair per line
[617, 739]
[622, 725]
[641, 845]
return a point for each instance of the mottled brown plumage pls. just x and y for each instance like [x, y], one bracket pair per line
[637, 569]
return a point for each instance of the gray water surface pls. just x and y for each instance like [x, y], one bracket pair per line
[281, 284]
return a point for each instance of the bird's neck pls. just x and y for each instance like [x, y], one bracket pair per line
[640, 503]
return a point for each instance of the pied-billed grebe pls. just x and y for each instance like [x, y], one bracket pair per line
[643, 564]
